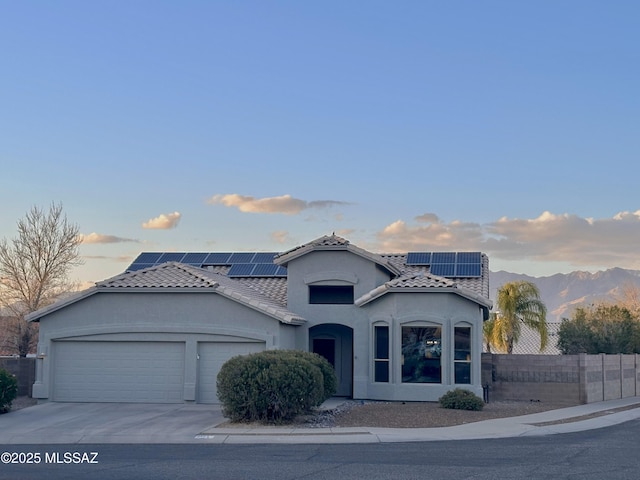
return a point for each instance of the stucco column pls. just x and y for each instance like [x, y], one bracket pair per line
[40, 390]
[190, 369]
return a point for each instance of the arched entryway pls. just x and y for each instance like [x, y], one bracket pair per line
[335, 343]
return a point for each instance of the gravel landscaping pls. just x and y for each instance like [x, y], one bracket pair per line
[418, 414]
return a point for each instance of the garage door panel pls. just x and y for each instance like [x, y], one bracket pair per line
[212, 355]
[119, 372]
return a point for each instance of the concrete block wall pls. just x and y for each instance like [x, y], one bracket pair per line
[25, 371]
[612, 377]
[591, 375]
[570, 379]
[544, 378]
[628, 367]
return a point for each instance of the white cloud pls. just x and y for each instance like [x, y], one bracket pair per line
[163, 222]
[101, 238]
[281, 237]
[568, 238]
[401, 237]
[284, 204]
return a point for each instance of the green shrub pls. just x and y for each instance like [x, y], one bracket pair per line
[270, 387]
[461, 399]
[8, 390]
[330, 381]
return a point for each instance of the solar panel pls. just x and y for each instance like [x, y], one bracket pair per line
[241, 263]
[217, 258]
[171, 257]
[138, 266]
[443, 269]
[194, 258]
[470, 257]
[244, 257]
[264, 270]
[419, 258]
[443, 257]
[468, 269]
[264, 257]
[241, 270]
[148, 257]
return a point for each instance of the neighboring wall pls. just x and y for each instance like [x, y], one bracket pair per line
[570, 379]
[25, 371]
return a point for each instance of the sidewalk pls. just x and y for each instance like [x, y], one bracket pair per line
[565, 420]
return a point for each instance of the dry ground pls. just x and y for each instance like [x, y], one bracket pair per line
[396, 414]
[409, 414]
[430, 414]
[22, 402]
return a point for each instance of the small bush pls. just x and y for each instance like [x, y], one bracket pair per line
[461, 399]
[330, 381]
[8, 390]
[272, 386]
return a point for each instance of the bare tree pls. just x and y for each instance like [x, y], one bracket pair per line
[629, 298]
[34, 269]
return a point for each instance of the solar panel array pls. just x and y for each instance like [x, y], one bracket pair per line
[243, 264]
[448, 264]
[260, 264]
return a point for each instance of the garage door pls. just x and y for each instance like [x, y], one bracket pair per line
[151, 372]
[211, 357]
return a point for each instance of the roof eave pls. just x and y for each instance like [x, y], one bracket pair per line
[384, 289]
[279, 314]
[288, 257]
[38, 314]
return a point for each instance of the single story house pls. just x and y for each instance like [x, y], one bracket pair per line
[395, 327]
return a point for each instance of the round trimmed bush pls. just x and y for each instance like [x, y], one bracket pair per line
[271, 387]
[330, 381]
[461, 399]
[8, 390]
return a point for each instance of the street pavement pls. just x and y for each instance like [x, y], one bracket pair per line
[101, 423]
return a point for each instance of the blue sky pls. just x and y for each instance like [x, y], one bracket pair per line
[507, 127]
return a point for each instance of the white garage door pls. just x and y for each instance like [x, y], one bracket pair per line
[211, 357]
[151, 372]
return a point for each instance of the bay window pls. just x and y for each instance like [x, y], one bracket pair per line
[421, 354]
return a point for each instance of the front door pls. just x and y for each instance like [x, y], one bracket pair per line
[335, 343]
[327, 348]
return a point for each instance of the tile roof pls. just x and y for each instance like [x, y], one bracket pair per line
[422, 282]
[166, 275]
[273, 287]
[269, 293]
[173, 275]
[479, 285]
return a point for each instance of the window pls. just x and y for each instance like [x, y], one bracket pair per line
[331, 294]
[421, 352]
[381, 353]
[462, 356]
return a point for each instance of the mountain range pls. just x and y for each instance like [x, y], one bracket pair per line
[562, 292]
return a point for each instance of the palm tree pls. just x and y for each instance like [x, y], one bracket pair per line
[518, 303]
[487, 332]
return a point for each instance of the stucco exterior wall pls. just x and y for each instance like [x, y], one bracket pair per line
[396, 310]
[412, 309]
[335, 268]
[191, 318]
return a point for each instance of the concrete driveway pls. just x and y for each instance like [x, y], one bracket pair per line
[50, 423]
